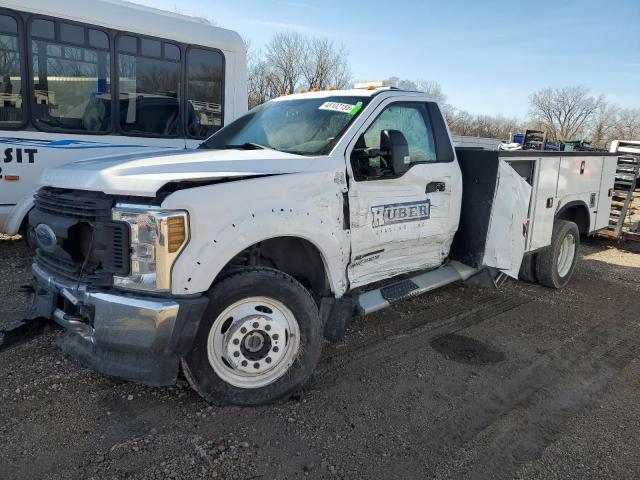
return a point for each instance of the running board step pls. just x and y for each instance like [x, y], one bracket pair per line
[374, 300]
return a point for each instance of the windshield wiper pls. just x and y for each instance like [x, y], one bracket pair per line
[249, 146]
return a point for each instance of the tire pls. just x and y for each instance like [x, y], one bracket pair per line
[549, 272]
[225, 349]
[528, 269]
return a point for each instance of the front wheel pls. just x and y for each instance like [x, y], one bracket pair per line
[555, 265]
[258, 341]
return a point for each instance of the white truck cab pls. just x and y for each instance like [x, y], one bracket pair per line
[235, 260]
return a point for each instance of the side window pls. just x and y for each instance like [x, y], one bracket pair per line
[11, 111]
[149, 83]
[72, 77]
[205, 74]
[412, 119]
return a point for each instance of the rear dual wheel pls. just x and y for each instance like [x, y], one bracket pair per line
[528, 269]
[258, 341]
[555, 265]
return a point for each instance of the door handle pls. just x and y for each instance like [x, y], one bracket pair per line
[435, 187]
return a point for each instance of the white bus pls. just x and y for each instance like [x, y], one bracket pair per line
[63, 65]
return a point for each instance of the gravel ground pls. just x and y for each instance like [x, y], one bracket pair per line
[523, 382]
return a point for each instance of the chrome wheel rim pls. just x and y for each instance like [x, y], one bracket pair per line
[253, 342]
[566, 255]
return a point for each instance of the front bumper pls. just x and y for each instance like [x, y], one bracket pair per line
[138, 338]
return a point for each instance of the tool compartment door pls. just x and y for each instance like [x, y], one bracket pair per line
[579, 174]
[544, 207]
[495, 209]
[507, 233]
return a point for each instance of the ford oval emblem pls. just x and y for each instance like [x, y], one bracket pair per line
[46, 237]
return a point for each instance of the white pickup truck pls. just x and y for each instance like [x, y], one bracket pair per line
[236, 260]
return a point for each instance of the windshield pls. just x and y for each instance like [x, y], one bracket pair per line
[309, 126]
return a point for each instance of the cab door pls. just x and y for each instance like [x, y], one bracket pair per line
[402, 223]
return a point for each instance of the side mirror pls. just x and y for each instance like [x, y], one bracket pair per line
[395, 149]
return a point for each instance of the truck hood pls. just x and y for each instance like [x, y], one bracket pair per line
[144, 174]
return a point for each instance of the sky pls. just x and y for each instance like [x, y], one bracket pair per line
[487, 55]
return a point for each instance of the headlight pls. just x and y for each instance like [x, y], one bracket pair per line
[157, 238]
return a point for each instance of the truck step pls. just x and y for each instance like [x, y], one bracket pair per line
[620, 193]
[628, 161]
[374, 300]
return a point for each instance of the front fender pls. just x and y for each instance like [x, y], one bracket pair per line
[225, 219]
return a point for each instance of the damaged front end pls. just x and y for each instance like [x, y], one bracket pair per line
[84, 252]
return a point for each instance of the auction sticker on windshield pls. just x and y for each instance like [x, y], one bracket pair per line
[341, 107]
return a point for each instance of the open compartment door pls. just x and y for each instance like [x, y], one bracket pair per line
[493, 221]
[507, 233]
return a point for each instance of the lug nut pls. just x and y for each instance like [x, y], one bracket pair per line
[243, 330]
[256, 365]
[268, 359]
[267, 327]
[256, 324]
[236, 341]
[244, 363]
[236, 354]
[275, 349]
[275, 336]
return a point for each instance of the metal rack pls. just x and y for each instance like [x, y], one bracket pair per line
[623, 191]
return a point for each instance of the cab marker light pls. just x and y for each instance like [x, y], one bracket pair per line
[12, 178]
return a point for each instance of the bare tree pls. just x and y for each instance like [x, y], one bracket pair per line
[604, 125]
[420, 85]
[460, 122]
[291, 61]
[433, 89]
[260, 84]
[565, 113]
[324, 65]
[464, 123]
[627, 126]
[284, 57]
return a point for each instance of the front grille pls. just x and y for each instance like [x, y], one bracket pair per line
[60, 266]
[75, 204]
[91, 248]
[71, 270]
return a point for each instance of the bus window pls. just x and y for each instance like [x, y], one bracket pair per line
[72, 84]
[10, 73]
[205, 73]
[149, 82]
